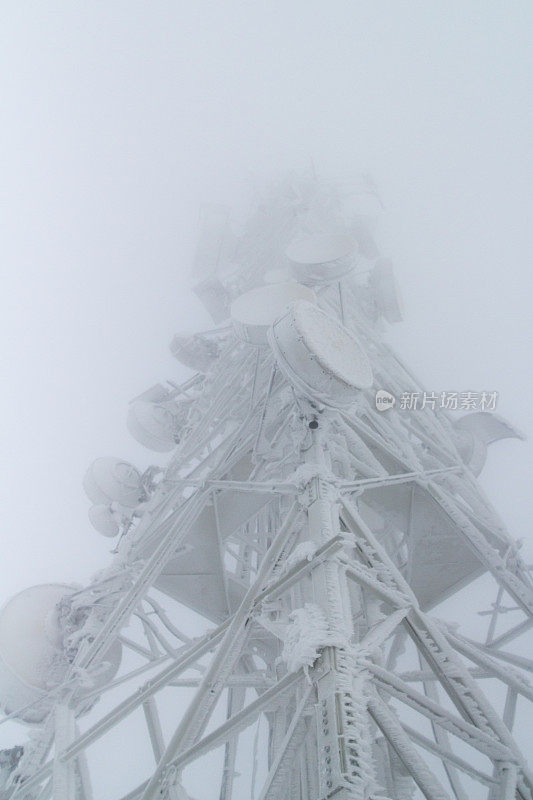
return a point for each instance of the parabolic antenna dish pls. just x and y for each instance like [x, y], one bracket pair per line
[321, 358]
[321, 258]
[32, 659]
[194, 351]
[153, 425]
[254, 312]
[387, 293]
[474, 432]
[112, 479]
[488, 427]
[103, 520]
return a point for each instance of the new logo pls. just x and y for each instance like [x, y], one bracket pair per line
[384, 400]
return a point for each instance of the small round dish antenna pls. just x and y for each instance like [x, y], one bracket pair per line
[194, 351]
[320, 357]
[32, 658]
[103, 520]
[111, 479]
[386, 291]
[153, 425]
[322, 258]
[254, 312]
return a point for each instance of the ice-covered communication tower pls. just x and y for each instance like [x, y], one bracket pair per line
[312, 533]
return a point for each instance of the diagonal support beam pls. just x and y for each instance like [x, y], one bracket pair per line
[212, 684]
[446, 756]
[184, 517]
[489, 556]
[464, 730]
[239, 721]
[390, 726]
[441, 737]
[490, 664]
[231, 727]
[456, 680]
[452, 673]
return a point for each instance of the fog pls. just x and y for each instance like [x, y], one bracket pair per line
[121, 118]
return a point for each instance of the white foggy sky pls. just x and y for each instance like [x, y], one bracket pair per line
[121, 118]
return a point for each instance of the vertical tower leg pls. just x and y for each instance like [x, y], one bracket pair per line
[343, 726]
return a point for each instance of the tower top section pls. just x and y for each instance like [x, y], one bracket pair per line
[303, 230]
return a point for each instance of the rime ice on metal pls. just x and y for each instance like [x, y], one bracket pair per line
[312, 531]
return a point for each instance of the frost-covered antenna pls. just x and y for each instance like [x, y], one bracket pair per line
[272, 625]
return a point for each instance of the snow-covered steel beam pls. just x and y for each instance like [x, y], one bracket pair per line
[151, 686]
[285, 752]
[241, 720]
[464, 730]
[454, 677]
[235, 724]
[447, 756]
[490, 664]
[199, 710]
[519, 591]
[442, 739]
[235, 703]
[369, 578]
[153, 724]
[389, 725]
[512, 633]
[176, 529]
[515, 659]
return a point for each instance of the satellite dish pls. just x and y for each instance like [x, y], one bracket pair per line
[194, 351]
[320, 357]
[254, 312]
[324, 257]
[153, 425]
[488, 427]
[474, 432]
[103, 520]
[32, 659]
[386, 291]
[111, 479]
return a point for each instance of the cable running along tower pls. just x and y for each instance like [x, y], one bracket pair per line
[310, 534]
